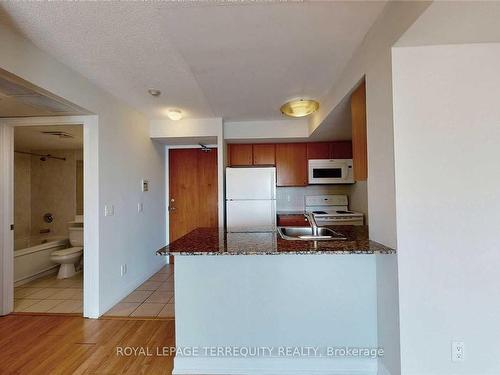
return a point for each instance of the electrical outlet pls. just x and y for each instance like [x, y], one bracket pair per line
[457, 351]
[109, 210]
[140, 207]
[123, 269]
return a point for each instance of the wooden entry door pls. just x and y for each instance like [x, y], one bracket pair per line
[192, 189]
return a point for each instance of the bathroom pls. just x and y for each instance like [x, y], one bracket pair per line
[48, 219]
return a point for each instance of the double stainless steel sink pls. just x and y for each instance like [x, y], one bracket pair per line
[307, 234]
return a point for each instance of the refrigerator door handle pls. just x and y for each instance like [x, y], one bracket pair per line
[273, 183]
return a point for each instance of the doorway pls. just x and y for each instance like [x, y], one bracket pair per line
[193, 190]
[48, 219]
[90, 206]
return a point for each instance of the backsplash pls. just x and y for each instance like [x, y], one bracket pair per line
[292, 198]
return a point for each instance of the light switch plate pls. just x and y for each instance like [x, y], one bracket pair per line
[140, 207]
[109, 210]
[457, 351]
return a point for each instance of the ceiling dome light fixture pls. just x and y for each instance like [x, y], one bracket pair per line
[154, 92]
[299, 107]
[174, 114]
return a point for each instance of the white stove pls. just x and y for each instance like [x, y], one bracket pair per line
[332, 210]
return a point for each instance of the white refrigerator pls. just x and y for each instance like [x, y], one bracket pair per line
[251, 199]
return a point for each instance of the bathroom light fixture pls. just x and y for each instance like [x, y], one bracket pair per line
[154, 92]
[174, 114]
[299, 107]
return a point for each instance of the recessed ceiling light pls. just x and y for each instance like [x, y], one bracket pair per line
[174, 114]
[299, 107]
[154, 92]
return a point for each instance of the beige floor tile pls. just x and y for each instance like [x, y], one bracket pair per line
[67, 283]
[160, 297]
[43, 293]
[148, 309]
[21, 304]
[137, 296]
[63, 293]
[42, 283]
[149, 285]
[67, 307]
[77, 294]
[168, 311]
[24, 292]
[43, 306]
[123, 309]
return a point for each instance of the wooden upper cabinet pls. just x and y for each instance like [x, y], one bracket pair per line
[264, 154]
[318, 150]
[240, 154]
[341, 150]
[359, 141]
[329, 150]
[291, 164]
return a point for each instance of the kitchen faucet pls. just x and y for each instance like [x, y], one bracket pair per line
[312, 221]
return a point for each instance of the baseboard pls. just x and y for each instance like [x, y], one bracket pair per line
[273, 366]
[45, 272]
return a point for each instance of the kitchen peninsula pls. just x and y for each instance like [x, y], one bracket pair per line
[256, 290]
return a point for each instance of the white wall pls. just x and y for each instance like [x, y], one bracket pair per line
[278, 129]
[449, 22]
[447, 132]
[126, 155]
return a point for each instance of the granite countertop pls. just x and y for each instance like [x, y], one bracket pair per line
[214, 241]
[291, 212]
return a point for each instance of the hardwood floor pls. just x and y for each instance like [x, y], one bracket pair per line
[74, 345]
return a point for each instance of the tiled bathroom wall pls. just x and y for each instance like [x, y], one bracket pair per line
[22, 196]
[42, 187]
[53, 190]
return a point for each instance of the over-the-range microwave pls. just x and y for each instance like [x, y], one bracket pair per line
[330, 171]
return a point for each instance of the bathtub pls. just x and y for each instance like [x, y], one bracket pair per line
[32, 257]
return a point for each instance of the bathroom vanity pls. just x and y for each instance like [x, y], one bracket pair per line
[237, 292]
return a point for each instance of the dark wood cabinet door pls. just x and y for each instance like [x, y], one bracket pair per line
[318, 150]
[292, 221]
[240, 155]
[291, 164]
[359, 141]
[341, 150]
[264, 154]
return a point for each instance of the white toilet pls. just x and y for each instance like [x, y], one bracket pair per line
[69, 258]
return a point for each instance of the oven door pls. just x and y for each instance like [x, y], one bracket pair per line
[330, 172]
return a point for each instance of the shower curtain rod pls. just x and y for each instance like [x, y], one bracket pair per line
[48, 156]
